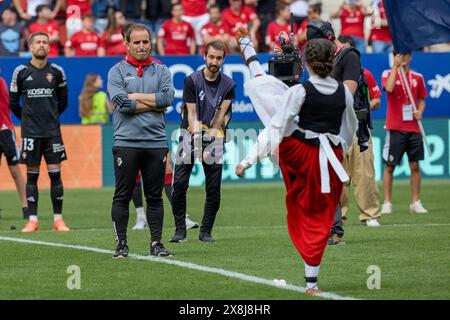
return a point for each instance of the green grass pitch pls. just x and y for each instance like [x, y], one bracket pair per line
[412, 251]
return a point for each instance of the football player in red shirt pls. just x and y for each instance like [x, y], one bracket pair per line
[111, 42]
[215, 29]
[380, 37]
[44, 23]
[352, 13]
[281, 24]
[403, 133]
[85, 42]
[237, 15]
[179, 36]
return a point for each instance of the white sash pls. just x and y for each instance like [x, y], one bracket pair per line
[326, 154]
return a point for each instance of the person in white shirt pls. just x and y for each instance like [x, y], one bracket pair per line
[309, 127]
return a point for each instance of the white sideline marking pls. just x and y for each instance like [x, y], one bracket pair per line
[230, 274]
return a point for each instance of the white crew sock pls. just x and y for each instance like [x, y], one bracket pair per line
[33, 218]
[57, 217]
[140, 213]
[311, 272]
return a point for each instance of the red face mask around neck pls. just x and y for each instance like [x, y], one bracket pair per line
[139, 64]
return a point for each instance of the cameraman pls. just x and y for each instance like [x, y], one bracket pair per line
[207, 97]
[310, 150]
[360, 165]
[347, 68]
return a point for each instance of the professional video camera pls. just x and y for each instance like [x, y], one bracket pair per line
[287, 65]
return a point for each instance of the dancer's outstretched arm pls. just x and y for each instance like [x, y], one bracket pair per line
[266, 93]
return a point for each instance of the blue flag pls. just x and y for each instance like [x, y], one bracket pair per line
[414, 24]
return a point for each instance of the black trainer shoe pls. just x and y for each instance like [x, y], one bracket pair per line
[206, 237]
[179, 236]
[121, 250]
[158, 250]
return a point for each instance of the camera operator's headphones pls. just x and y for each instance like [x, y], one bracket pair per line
[323, 28]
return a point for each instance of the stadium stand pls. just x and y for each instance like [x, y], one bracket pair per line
[366, 23]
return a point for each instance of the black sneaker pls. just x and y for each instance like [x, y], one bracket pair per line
[179, 236]
[158, 250]
[206, 237]
[121, 250]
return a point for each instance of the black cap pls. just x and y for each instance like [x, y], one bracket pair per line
[319, 29]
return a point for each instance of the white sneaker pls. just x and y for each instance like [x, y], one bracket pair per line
[386, 208]
[190, 224]
[140, 224]
[372, 223]
[417, 207]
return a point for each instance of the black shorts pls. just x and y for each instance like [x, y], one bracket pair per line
[8, 147]
[399, 142]
[34, 148]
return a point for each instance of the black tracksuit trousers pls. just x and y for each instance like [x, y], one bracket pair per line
[213, 173]
[127, 163]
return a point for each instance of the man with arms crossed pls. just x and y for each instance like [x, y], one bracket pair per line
[140, 142]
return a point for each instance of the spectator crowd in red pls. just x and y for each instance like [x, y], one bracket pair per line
[179, 27]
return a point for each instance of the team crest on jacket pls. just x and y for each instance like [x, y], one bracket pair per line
[49, 77]
[201, 95]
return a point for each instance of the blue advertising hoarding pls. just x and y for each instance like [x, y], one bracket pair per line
[436, 165]
[434, 67]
